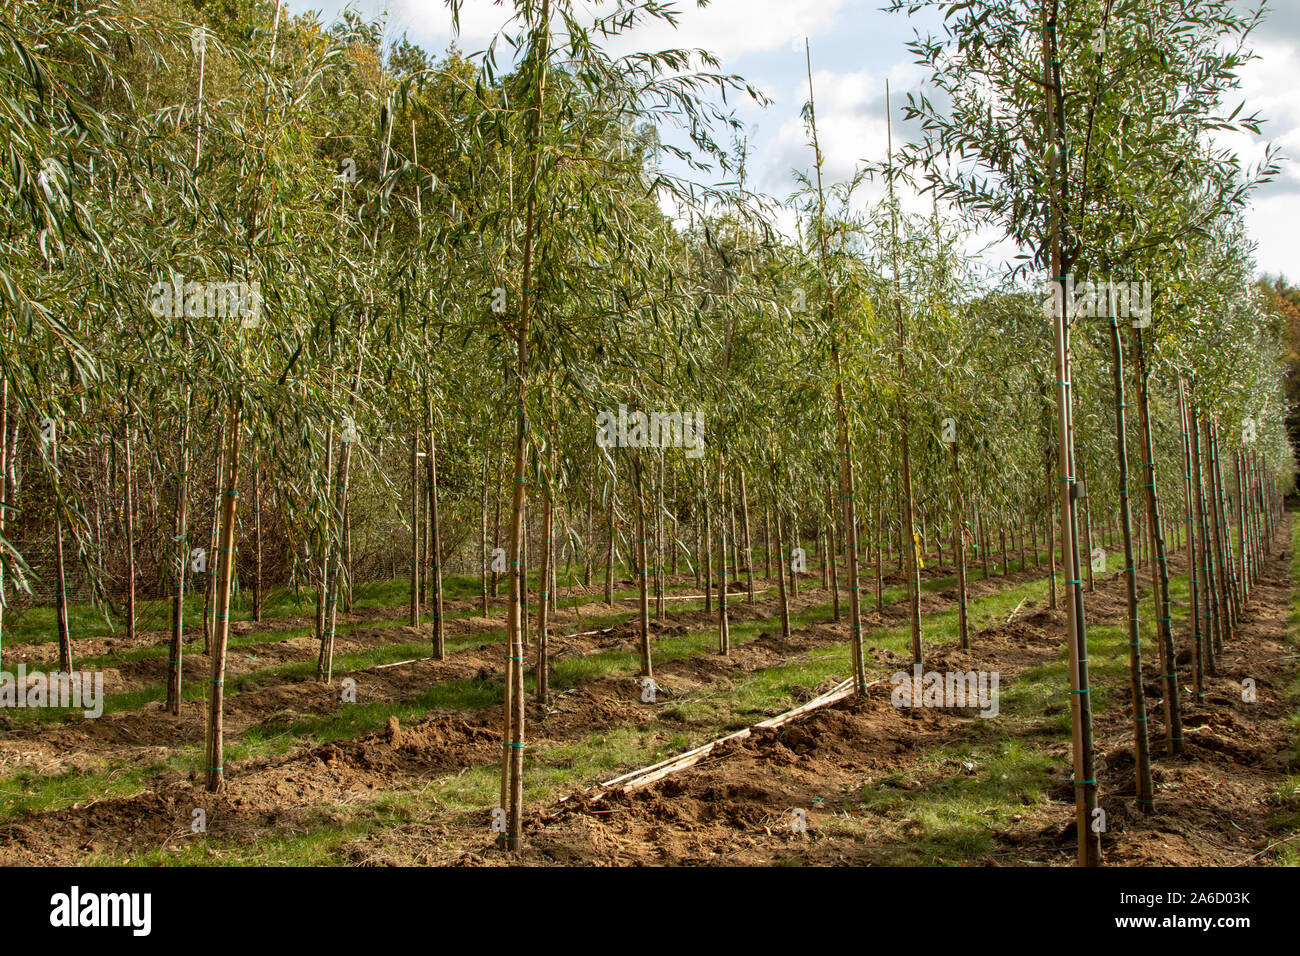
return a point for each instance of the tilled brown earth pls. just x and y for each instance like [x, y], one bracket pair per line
[1214, 803]
[285, 792]
[54, 748]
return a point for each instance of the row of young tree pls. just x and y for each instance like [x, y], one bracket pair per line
[414, 312]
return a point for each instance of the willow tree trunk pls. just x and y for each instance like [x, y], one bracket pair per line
[1160, 566]
[496, 526]
[724, 622]
[880, 575]
[782, 597]
[1195, 578]
[1087, 529]
[647, 670]
[543, 665]
[435, 546]
[345, 562]
[1085, 782]
[1207, 609]
[958, 549]
[749, 544]
[659, 539]
[513, 739]
[1214, 583]
[60, 574]
[257, 541]
[210, 577]
[325, 660]
[415, 529]
[844, 445]
[795, 550]
[833, 557]
[1141, 741]
[908, 516]
[1257, 517]
[1051, 544]
[732, 534]
[225, 567]
[181, 542]
[5, 503]
[128, 521]
[823, 549]
[984, 540]
[1243, 534]
[767, 544]
[1227, 565]
[483, 535]
[706, 559]
[609, 554]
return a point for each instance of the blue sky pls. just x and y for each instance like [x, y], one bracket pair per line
[856, 46]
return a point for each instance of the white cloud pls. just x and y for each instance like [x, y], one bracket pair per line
[849, 80]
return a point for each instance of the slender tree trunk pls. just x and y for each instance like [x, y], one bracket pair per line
[1243, 533]
[6, 504]
[181, 535]
[958, 550]
[1142, 752]
[844, 445]
[659, 539]
[257, 541]
[225, 566]
[609, 554]
[1160, 566]
[1194, 577]
[496, 530]
[1206, 610]
[733, 538]
[1212, 581]
[60, 575]
[1087, 528]
[724, 622]
[984, 540]
[515, 703]
[210, 579]
[435, 545]
[543, 667]
[589, 539]
[638, 475]
[1085, 781]
[483, 534]
[796, 550]
[337, 563]
[880, 575]
[782, 597]
[706, 560]
[1002, 542]
[832, 557]
[128, 520]
[749, 545]
[767, 544]
[1227, 562]
[415, 528]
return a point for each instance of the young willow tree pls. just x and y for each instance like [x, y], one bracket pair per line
[573, 214]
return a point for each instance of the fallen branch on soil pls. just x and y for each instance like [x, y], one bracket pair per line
[1271, 846]
[646, 775]
[1017, 609]
[700, 597]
